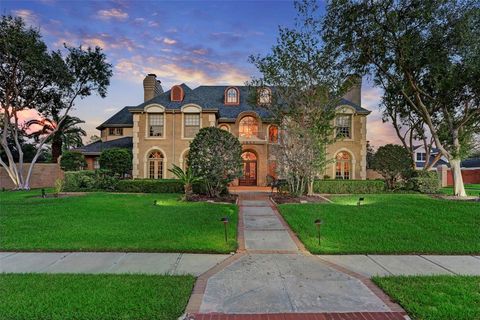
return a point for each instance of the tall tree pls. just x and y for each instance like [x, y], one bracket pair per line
[31, 77]
[305, 91]
[427, 52]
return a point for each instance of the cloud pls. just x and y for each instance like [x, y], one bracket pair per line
[169, 41]
[28, 16]
[105, 41]
[113, 13]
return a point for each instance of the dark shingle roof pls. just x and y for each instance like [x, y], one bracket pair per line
[122, 118]
[471, 163]
[207, 97]
[98, 146]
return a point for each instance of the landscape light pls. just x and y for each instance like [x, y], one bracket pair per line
[360, 201]
[44, 195]
[225, 221]
[154, 202]
[318, 222]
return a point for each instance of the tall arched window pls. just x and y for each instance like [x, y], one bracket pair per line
[343, 166]
[273, 134]
[155, 165]
[232, 96]
[248, 127]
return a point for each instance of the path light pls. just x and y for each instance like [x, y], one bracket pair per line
[154, 202]
[44, 195]
[225, 221]
[360, 201]
[318, 222]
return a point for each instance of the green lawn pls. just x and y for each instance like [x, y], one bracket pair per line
[435, 297]
[114, 222]
[388, 224]
[82, 297]
[471, 189]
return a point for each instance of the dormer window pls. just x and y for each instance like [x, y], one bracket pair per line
[264, 96]
[176, 94]
[232, 96]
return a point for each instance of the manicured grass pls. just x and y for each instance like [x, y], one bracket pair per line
[114, 222]
[470, 189]
[82, 297]
[388, 224]
[435, 297]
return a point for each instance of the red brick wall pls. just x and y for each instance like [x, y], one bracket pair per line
[43, 175]
[469, 176]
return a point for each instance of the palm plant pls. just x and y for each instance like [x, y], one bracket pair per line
[68, 133]
[187, 177]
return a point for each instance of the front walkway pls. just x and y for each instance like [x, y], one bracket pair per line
[274, 274]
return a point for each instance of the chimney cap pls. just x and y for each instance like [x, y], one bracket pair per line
[152, 75]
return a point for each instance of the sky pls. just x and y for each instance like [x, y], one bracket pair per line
[192, 42]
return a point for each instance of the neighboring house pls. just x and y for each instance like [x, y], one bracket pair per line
[159, 131]
[420, 157]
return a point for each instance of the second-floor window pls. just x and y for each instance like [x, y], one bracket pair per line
[155, 124]
[191, 124]
[344, 126]
[115, 131]
[248, 127]
[273, 134]
[421, 156]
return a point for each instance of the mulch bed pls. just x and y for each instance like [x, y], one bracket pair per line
[281, 199]
[447, 197]
[231, 198]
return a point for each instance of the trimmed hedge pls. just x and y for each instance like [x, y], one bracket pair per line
[150, 186]
[349, 186]
[88, 180]
[426, 182]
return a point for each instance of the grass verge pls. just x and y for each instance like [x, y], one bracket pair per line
[435, 297]
[387, 224]
[82, 297]
[114, 222]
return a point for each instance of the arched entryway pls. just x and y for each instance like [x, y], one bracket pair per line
[249, 176]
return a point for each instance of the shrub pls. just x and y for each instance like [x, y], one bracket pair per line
[59, 185]
[215, 156]
[80, 181]
[117, 161]
[72, 161]
[392, 162]
[425, 182]
[150, 186]
[349, 186]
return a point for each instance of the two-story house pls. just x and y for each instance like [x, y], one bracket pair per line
[160, 129]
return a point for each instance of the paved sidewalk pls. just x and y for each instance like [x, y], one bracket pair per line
[108, 262]
[385, 265]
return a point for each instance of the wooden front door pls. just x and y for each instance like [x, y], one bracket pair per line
[249, 177]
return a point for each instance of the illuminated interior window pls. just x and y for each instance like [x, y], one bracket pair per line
[155, 165]
[232, 96]
[343, 166]
[248, 127]
[224, 127]
[273, 134]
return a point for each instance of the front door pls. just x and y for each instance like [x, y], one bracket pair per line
[249, 177]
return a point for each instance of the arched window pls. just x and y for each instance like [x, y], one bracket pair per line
[248, 127]
[249, 156]
[264, 96]
[176, 94]
[273, 134]
[343, 166]
[232, 96]
[155, 165]
[224, 127]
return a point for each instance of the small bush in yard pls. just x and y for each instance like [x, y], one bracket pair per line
[72, 161]
[79, 181]
[425, 182]
[349, 186]
[117, 161]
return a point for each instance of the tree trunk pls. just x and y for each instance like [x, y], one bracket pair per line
[458, 187]
[310, 188]
[56, 148]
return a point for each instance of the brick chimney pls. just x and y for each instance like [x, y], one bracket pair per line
[151, 87]
[355, 93]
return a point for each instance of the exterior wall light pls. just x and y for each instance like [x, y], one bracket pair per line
[318, 222]
[225, 222]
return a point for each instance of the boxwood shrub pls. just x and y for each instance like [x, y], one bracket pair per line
[349, 186]
[426, 182]
[150, 186]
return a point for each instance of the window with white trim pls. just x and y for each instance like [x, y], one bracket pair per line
[155, 124]
[191, 124]
[343, 166]
[344, 126]
[421, 156]
[115, 131]
[96, 164]
[155, 165]
[232, 96]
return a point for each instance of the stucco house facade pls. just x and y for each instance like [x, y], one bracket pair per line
[159, 131]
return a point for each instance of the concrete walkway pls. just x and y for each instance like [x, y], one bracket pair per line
[386, 265]
[108, 262]
[273, 273]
